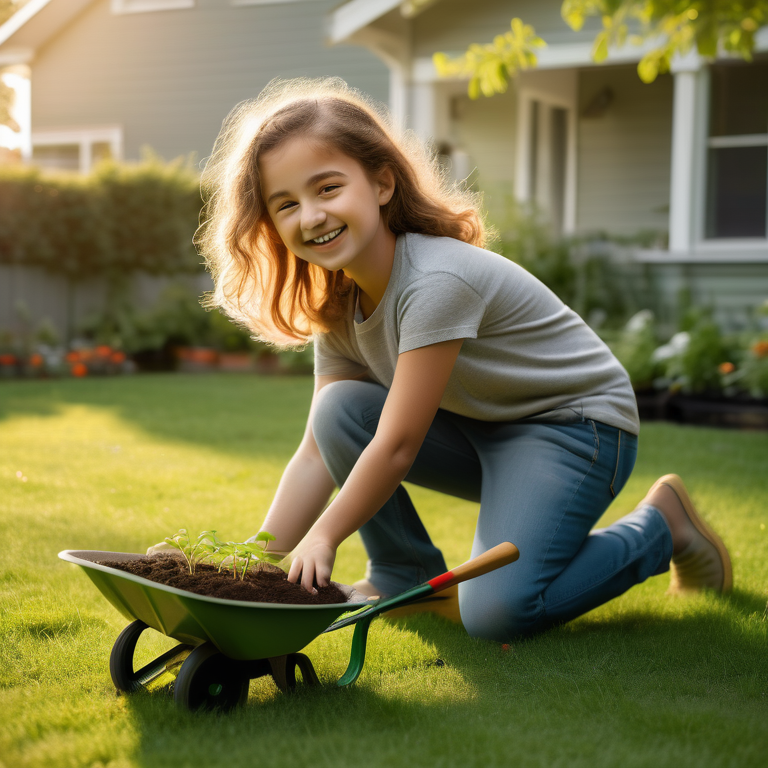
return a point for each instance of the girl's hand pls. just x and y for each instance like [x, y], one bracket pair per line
[313, 561]
[162, 546]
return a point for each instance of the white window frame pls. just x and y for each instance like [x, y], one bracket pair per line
[83, 138]
[148, 6]
[707, 142]
[268, 2]
[526, 96]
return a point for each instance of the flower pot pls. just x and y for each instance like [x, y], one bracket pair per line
[236, 361]
[196, 359]
[718, 411]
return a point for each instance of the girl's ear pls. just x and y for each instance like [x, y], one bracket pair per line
[386, 186]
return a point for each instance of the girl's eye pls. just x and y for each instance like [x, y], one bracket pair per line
[286, 206]
[330, 187]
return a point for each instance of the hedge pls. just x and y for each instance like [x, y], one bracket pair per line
[120, 218]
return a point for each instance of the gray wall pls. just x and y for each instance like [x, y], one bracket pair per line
[451, 25]
[170, 77]
[624, 156]
[50, 298]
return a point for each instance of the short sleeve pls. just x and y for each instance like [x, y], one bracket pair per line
[336, 356]
[438, 307]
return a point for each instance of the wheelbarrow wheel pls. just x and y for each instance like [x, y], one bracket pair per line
[210, 680]
[121, 658]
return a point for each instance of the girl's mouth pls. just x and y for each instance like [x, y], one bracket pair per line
[323, 239]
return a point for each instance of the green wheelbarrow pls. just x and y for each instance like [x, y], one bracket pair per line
[224, 644]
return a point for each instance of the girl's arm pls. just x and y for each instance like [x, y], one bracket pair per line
[420, 379]
[304, 488]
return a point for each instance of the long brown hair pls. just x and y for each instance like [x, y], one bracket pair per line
[258, 281]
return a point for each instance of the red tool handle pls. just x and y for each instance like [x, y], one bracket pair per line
[502, 554]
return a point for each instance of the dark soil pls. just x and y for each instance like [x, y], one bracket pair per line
[262, 584]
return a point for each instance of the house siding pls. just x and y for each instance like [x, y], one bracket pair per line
[624, 156]
[448, 26]
[485, 129]
[169, 78]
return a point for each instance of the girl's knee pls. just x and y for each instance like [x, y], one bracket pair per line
[498, 616]
[340, 404]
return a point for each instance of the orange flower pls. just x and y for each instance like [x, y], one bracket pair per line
[760, 348]
[7, 360]
[118, 357]
[104, 351]
[36, 360]
[79, 370]
[726, 368]
[73, 357]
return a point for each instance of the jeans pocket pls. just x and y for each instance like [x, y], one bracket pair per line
[626, 453]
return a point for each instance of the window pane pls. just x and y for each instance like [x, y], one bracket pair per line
[60, 157]
[736, 194]
[100, 150]
[739, 99]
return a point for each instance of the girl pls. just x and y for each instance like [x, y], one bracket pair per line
[436, 362]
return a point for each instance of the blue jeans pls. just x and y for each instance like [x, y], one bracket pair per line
[541, 486]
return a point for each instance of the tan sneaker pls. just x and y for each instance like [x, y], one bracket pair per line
[704, 563]
[444, 603]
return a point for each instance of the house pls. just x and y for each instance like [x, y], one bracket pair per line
[108, 77]
[685, 157]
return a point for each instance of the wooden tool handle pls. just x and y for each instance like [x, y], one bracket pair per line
[502, 554]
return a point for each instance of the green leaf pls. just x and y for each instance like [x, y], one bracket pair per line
[648, 68]
[600, 48]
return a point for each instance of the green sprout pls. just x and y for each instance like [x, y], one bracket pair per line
[256, 550]
[196, 550]
[238, 556]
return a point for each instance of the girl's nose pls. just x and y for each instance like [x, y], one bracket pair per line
[312, 216]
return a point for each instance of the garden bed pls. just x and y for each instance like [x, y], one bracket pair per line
[704, 410]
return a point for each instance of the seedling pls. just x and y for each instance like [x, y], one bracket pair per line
[237, 555]
[196, 550]
[257, 550]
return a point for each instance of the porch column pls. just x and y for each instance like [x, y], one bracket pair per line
[685, 111]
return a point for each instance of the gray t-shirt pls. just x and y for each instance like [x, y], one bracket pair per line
[525, 356]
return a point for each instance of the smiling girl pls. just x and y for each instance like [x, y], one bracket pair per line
[436, 362]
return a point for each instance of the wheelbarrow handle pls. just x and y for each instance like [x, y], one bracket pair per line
[502, 554]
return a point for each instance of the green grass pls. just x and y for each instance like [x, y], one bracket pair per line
[117, 464]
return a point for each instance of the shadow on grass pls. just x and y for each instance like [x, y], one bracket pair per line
[588, 683]
[242, 414]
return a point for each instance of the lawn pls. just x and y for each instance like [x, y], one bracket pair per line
[118, 464]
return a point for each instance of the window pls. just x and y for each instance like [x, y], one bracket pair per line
[77, 149]
[545, 175]
[737, 152]
[144, 6]
[263, 2]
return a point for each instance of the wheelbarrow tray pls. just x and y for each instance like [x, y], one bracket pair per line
[240, 630]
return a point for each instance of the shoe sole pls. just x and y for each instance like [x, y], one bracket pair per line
[675, 483]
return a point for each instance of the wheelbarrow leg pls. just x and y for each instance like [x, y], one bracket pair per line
[121, 660]
[283, 670]
[357, 655]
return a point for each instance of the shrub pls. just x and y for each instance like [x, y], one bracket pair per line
[118, 219]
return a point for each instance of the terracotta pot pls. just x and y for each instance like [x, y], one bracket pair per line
[236, 361]
[196, 359]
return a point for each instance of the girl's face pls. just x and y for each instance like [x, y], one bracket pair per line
[324, 206]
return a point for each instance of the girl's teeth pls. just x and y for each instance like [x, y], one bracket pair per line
[326, 238]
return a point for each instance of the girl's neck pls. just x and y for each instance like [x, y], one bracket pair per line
[372, 276]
